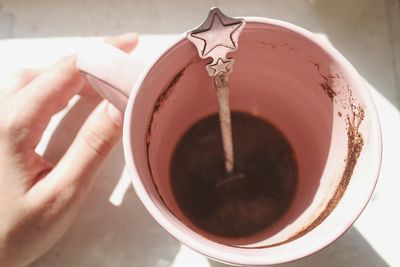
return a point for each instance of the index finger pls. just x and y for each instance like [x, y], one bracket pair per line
[51, 90]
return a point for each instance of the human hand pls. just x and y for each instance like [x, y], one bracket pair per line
[38, 199]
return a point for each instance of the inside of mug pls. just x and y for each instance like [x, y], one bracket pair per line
[280, 76]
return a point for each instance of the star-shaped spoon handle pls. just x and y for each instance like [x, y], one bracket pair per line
[216, 37]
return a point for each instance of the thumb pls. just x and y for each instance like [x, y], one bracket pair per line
[77, 168]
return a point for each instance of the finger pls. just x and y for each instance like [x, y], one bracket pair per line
[44, 96]
[28, 111]
[77, 168]
[21, 79]
[126, 42]
[51, 91]
[22, 171]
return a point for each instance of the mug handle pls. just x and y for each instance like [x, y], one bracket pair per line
[110, 71]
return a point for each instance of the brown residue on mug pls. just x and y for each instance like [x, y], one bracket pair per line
[327, 86]
[355, 143]
[328, 83]
[164, 95]
[290, 47]
[271, 45]
[162, 98]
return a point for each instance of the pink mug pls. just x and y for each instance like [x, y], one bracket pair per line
[283, 74]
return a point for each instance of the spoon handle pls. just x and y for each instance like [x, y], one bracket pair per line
[221, 84]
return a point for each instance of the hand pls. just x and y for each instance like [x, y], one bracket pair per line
[39, 200]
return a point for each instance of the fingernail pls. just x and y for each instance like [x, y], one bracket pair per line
[116, 115]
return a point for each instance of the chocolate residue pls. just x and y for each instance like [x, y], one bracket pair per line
[290, 47]
[237, 209]
[159, 103]
[355, 143]
[269, 44]
[327, 86]
[277, 46]
[164, 95]
[328, 83]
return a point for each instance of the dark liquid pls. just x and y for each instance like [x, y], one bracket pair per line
[245, 206]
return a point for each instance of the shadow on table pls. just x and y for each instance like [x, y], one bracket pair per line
[105, 235]
[350, 250]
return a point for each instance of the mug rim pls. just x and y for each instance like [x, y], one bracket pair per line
[231, 254]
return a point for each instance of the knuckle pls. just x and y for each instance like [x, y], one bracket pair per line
[67, 65]
[67, 71]
[8, 119]
[66, 61]
[60, 200]
[12, 123]
[97, 141]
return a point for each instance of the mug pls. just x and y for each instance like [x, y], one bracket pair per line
[283, 74]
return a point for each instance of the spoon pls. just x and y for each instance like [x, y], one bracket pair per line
[216, 37]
